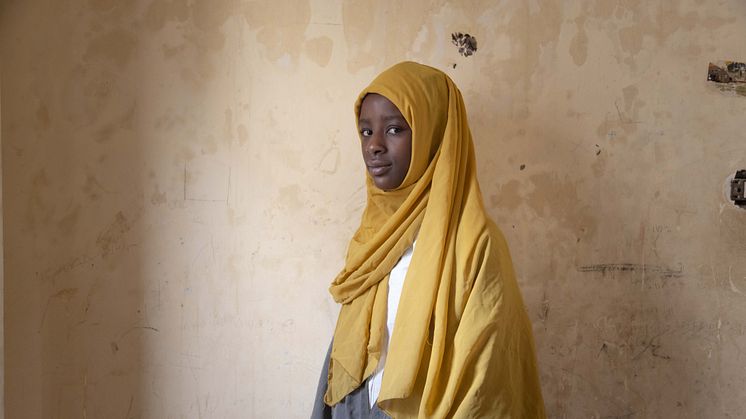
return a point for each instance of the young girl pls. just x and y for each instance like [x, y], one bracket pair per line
[432, 323]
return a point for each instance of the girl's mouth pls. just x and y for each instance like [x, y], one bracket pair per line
[379, 170]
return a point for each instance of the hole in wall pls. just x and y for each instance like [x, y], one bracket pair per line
[728, 76]
[738, 188]
[735, 188]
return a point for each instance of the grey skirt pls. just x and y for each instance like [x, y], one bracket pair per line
[355, 405]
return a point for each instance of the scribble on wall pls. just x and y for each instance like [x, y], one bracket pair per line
[729, 76]
[633, 267]
[467, 44]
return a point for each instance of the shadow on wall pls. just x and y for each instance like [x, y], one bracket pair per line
[75, 311]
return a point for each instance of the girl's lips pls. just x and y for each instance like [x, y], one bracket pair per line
[379, 170]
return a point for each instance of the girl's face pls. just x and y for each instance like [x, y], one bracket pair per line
[386, 140]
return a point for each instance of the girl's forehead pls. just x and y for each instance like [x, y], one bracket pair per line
[374, 102]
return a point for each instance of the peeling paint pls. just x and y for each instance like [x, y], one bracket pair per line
[467, 44]
[728, 76]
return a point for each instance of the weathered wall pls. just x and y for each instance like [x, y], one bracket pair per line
[2, 282]
[180, 180]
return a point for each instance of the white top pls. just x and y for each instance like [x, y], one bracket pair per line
[396, 282]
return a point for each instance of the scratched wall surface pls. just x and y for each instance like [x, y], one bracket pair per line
[180, 180]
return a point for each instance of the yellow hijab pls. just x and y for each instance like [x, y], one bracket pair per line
[462, 344]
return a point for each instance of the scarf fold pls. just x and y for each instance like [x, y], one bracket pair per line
[462, 343]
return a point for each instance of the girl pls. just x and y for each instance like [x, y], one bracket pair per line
[432, 323]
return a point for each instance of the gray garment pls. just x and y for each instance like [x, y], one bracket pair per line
[355, 405]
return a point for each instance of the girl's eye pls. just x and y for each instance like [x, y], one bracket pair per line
[394, 130]
[365, 132]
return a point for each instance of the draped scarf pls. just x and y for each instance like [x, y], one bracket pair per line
[462, 344]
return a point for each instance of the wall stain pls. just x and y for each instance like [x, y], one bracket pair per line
[659, 24]
[731, 225]
[508, 196]
[319, 50]
[545, 21]
[112, 11]
[168, 121]
[92, 93]
[630, 39]
[289, 198]
[42, 117]
[172, 51]
[359, 21]
[65, 294]
[372, 41]
[557, 198]
[93, 188]
[599, 164]
[161, 12]
[579, 43]
[625, 119]
[66, 225]
[604, 9]
[158, 197]
[37, 209]
[632, 105]
[280, 28]
[102, 6]
[110, 239]
[125, 122]
[116, 46]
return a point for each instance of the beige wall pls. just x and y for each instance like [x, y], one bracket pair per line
[180, 182]
[2, 276]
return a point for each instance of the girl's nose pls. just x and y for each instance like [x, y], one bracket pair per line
[376, 145]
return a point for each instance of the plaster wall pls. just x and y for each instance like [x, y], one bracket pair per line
[2, 283]
[180, 180]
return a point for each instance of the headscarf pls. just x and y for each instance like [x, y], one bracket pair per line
[462, 344]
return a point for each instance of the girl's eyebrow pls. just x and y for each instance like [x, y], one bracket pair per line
[385, 118]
